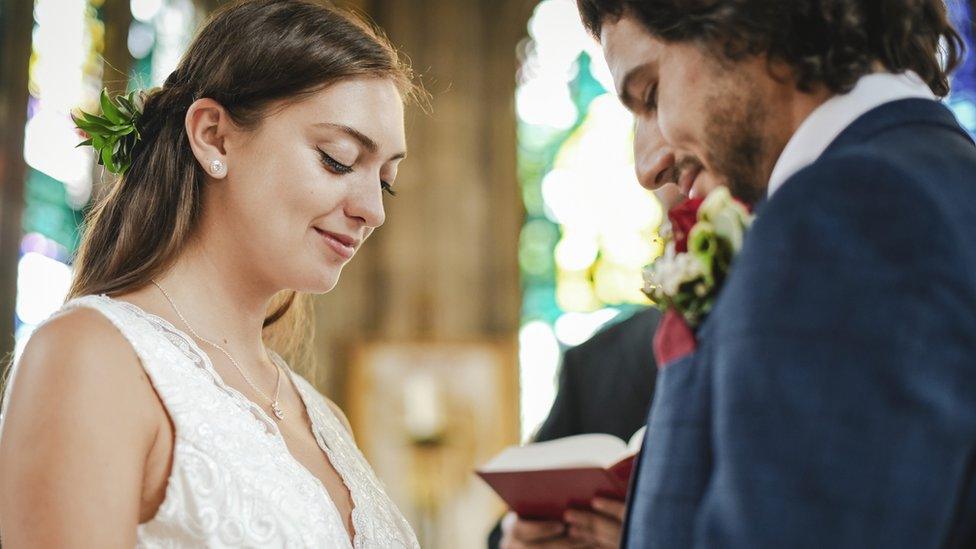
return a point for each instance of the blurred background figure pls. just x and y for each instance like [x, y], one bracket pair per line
[519, 230]
[605, 386]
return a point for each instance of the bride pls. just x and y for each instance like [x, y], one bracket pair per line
[150, 411]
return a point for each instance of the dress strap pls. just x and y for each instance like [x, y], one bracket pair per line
[103, 305]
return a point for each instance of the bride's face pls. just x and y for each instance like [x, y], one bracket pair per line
[305, 189]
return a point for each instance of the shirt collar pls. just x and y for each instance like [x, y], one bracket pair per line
[828, 120]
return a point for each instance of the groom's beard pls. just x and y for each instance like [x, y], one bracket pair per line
[738, 147]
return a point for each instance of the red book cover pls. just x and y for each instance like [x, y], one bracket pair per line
[540, 481]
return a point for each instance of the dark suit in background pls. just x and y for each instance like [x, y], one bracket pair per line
[605, 385]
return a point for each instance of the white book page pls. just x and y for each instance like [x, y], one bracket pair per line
[591, 450]
[636, 440]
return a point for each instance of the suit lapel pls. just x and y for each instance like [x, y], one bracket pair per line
[630, 491]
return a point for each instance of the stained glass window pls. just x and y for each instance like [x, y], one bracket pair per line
[65, 72]
[589, 226]
[160, 32]
[66, 69]
[962, 100]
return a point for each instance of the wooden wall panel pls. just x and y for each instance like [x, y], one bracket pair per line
[444, 267]
[16, 23]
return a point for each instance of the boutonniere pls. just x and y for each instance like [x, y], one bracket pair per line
[701, 241]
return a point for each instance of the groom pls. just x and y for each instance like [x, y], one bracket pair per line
[831, 397]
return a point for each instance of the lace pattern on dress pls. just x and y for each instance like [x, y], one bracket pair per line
[234, 482]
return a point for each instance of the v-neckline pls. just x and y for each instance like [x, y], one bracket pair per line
[255, 408]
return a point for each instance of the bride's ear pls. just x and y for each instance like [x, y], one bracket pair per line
[208, 126]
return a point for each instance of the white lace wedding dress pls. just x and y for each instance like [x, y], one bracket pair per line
[234, 483]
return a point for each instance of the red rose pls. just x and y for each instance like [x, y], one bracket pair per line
[683, 217]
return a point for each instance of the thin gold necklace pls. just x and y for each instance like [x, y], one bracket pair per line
[275, 407]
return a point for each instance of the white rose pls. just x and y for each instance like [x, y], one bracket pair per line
[729, 218]
[716, 201]
[668, 273]
[728, 225]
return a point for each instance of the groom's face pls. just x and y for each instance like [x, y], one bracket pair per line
[700, 121]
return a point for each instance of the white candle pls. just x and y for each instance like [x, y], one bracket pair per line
[423, 406]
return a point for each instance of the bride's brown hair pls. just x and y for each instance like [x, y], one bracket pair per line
[249, 55]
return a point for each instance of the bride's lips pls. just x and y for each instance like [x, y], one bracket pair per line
[343, 245]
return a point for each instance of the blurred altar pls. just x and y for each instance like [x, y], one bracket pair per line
[519, 229]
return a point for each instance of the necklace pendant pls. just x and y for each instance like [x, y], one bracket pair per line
[277, 410]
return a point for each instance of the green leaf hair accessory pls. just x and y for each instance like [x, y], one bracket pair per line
[113, 135]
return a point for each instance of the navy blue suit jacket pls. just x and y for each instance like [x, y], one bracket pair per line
[832, 399]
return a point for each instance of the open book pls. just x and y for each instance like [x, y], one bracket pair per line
[542, 480]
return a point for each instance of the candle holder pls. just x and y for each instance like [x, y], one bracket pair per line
[426, 427]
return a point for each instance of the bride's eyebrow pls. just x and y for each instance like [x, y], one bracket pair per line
[359, 136]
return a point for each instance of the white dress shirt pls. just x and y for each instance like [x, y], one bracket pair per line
[828, 120]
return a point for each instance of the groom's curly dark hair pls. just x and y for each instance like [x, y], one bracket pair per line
[829, 42]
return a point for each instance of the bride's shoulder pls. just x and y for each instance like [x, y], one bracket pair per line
[77, 334]
[77, 420]
[79, 357]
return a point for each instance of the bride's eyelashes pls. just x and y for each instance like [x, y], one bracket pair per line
[334, 165]
[339, 168]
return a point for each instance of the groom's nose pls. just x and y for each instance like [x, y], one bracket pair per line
[654, 161]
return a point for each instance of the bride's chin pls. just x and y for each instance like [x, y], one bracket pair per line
[328, 282]
[322, 281]
[322, 286]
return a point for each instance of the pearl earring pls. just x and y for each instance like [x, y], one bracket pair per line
[217, 168]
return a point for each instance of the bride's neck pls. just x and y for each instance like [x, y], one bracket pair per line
[218, 299]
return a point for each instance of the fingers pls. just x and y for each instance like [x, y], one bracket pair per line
[524, 534]
[561, 543]
[599, 528]
[528, 530]
[558, 543]
[595, 528]
[611, 508]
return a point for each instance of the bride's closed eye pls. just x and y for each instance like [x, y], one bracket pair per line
[339, 168]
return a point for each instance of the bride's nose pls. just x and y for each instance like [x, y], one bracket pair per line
[365, 203]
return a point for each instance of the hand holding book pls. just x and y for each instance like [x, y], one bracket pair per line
[543, 480]
[600, 528]
[567, 492]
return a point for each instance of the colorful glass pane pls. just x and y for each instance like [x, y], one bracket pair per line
[589, 226]
[962, 99]
[65, 73]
